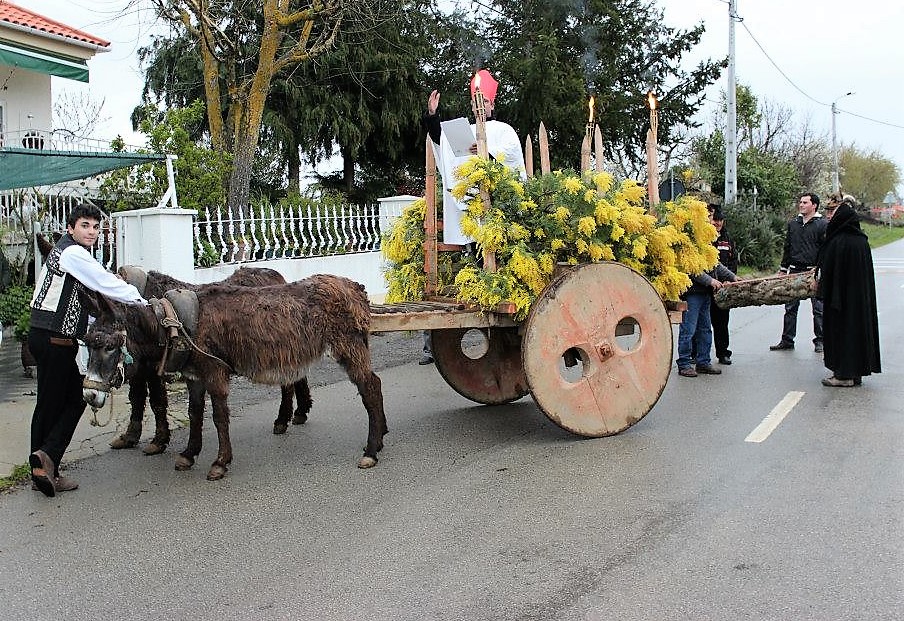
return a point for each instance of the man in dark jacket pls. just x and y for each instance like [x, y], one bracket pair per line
[802, 241]
[719, 316]
[847, 287]
[695, 335]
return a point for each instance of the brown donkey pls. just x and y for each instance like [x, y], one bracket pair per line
[270, 335]
[146, 384]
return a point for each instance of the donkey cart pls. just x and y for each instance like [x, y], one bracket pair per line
[594, 352]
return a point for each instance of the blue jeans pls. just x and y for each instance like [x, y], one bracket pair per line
[696, 331]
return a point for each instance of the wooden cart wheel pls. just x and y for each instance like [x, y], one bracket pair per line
[483, 365]
[607, 323]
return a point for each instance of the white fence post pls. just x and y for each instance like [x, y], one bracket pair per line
[157, 239]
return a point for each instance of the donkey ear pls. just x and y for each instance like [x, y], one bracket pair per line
[104, 308]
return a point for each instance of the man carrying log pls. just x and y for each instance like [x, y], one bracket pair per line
[802, 241]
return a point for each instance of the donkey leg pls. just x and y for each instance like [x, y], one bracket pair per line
[371, 390]
[159, 405]
[303, 402]
[281, 424]
[138, 394]
[196, 391]
[219, 394]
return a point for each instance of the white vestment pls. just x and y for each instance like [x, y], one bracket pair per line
[502, 143]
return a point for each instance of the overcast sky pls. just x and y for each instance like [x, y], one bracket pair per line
[819, 50]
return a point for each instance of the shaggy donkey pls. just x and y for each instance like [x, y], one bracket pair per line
[269, 334]
[145, 382]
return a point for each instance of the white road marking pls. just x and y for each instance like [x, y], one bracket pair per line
[775, 417]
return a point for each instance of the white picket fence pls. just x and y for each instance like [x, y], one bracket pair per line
[297, 242]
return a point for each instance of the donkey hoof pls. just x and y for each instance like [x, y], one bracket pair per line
[184, 463]
[216, 472]
[367, 462]
[154, 448]
[124, 442]
[279, 428]
[299, 419]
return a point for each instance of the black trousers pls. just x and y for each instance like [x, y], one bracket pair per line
[59, 403]
[719, 317]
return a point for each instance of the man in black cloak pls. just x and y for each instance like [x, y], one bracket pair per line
[847, 287]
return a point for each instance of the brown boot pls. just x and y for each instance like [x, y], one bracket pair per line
[42, 468]
[65, 484]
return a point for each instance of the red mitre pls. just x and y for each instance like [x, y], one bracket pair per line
[488, 85]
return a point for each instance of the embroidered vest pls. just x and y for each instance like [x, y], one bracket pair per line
[58, 304]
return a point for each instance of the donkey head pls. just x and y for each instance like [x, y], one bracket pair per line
[107, 355]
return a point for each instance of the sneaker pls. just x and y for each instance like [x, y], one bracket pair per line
[818, 348]
[838, 383]
[781, 346]
[708, 369]
[725, 360]
[687, 372]
[425, 359]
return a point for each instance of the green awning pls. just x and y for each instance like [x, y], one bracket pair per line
[43, 62]
[26, 168]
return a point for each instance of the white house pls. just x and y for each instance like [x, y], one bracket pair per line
[32, 49]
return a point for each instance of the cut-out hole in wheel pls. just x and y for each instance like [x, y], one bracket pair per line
[474, 344]
[573, 365]
[482, 365]
[627, 334]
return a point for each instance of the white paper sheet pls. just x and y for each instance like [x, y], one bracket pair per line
[459, 135]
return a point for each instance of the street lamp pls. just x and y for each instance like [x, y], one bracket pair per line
[834, 146]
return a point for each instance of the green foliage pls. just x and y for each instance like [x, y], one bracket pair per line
[15, 309]
[550, 55]
[772, 174]
[200, 171]
[868, 175]
[879, 235]
[13, 302]
[17, 475]
[758, 234]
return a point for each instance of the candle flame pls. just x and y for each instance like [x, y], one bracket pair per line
[590, 105]
[651, 99]
[475, 81]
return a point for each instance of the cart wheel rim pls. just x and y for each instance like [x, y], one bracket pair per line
[620, 378]
[492, 376]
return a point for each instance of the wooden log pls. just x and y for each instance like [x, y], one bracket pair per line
[544, 151]
[528, 157]
[767, 291]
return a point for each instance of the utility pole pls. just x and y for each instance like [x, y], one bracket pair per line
[731, 123]
[835, 184]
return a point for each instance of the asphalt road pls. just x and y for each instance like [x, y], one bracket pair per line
[494, 513]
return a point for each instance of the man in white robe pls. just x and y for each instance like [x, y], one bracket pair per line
[502, 144]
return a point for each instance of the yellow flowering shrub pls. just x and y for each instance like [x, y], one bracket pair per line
[561, 217]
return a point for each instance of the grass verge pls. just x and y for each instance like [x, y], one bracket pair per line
[19, 474]
[879, 235]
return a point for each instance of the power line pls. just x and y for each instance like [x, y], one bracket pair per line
[807, 95]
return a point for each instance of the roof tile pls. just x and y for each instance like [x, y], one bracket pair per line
[14, 14]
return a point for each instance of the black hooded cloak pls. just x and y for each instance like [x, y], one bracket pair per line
[847, 287]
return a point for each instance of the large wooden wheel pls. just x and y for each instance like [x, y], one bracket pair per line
[483, 365]
[597, 349]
